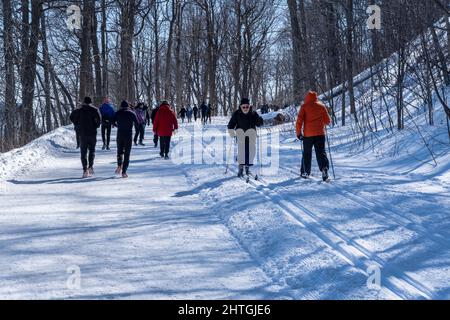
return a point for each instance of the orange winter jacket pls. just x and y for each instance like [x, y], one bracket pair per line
[313, 117]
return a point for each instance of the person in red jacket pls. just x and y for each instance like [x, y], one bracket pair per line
[311, 122]
[164, 125]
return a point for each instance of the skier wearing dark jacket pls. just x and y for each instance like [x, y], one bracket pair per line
[88, 120]
[152, 117]
[124, 120]
[164, 125]
[107, 112]
[243, 124]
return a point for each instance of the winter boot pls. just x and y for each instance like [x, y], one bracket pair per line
[124, 175]
[325, 174]
[104, 147]
[85, 174]
[119, 170]
[91, 171]
[247, 170]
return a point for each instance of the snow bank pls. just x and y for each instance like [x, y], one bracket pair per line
[19, 161]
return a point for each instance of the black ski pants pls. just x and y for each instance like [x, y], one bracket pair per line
[318, 142]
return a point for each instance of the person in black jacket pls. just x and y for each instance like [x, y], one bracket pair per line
[204, 111]
[124, 119]
[243, 125]
[88, 120]
[153, 116]
[182, 113]
[195, 110]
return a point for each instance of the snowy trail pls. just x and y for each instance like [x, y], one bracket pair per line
[130, 238]
[358, 231]
[189, 231]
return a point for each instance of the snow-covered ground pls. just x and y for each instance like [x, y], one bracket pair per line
[189, 231]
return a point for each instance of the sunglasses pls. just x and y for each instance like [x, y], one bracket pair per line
[245, 107]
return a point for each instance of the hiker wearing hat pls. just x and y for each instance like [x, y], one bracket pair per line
[311, 122]
[87, 120]
[124, 119]
[243, 125]
[164, 125]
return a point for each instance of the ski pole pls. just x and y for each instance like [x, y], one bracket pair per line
[303, 157]
[329, 151]
[260, 153]
[229, 155]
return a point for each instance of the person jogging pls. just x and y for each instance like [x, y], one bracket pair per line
[124, 119]
[88, 120]
[107, 112]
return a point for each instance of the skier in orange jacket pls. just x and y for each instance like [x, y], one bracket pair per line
[310, 128]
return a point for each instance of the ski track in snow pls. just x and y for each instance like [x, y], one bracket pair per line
[191, 232]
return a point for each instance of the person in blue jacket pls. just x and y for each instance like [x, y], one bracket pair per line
[107, 112]
[124, 119]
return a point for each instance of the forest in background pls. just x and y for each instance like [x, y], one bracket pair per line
[217, 51]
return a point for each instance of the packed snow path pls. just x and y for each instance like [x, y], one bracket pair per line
[189, 231]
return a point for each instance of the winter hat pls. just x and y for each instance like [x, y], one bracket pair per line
[124, 104]
[87, 100]
[245, 101]
[165, 103]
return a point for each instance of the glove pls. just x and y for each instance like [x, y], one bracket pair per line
[232, 133]
[300, 137]
[175, 132]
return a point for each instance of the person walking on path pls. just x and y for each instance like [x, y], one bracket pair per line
[124, 120]
[88, 120]
[312, 119]
[164, 126]
[153, 116]
[204, 111]
[107, 112]
[182, 114]
[189, 114]
[243, 125]
[140, 126]
[195, 110]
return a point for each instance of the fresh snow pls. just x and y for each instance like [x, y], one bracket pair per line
[177, 231]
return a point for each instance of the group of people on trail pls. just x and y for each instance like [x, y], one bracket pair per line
[311, 125]
[205, 111]
[89, 118]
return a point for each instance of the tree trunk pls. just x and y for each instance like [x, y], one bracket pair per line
[86, 81]
[28, 125]
[10, 81]
[99, 94]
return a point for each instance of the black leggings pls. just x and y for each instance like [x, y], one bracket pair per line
[106, 134]
[87, 143]
[318, 143]
[123, 152]
[164, 144]
[140, 131]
